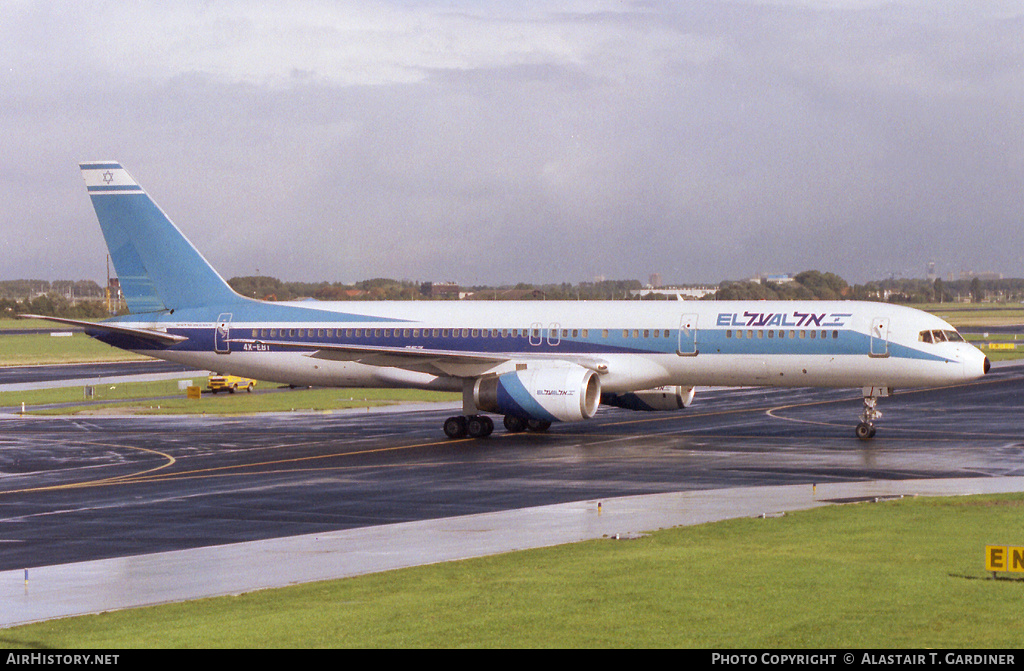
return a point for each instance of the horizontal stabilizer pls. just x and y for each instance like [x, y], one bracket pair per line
[161, 337]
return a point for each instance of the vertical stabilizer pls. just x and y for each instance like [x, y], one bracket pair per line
[158, 268]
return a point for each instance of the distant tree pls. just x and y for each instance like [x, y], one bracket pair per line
[977, 293]
[261, 287]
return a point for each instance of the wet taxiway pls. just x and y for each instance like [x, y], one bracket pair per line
[83, 488]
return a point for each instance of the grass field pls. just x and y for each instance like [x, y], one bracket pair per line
[979, 314]
[23, 350]
[164, 397]
[905, 574]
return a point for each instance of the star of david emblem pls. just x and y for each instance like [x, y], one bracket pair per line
[108, 177]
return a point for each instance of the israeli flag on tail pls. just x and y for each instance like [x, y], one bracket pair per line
[158, 268]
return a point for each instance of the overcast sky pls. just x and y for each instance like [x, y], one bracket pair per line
[496, 142]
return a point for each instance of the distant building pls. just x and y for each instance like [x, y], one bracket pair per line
[970, 275]
[775, 279]
[444, 290]
[679, 293]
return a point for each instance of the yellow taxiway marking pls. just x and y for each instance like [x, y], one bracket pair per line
[150, 475]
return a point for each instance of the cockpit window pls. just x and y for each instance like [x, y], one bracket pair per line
[940, 336]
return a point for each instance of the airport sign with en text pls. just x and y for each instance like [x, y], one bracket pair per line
[1004, 558]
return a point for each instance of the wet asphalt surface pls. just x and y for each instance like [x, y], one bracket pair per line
[91, 487]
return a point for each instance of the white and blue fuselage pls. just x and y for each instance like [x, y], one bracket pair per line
[632, 345]
[535, 362]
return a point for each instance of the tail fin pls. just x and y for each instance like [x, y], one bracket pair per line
[157, 266]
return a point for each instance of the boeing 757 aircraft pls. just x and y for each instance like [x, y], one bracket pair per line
[534, 362]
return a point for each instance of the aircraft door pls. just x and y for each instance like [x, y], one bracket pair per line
[553, 337]
[536, 334]
[879, 337]
[222, 334]
[687, 336]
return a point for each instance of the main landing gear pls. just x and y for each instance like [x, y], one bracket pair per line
[481, 426]
[474, 426]
[866, 429]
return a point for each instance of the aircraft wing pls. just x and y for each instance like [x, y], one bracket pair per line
[434, 362]
[161, 337]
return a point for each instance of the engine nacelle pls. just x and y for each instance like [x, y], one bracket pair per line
[652, 400]
[564, 393]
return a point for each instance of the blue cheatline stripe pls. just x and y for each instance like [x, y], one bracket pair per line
[101, 166]
[113, 189]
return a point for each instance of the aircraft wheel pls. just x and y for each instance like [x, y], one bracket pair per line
[479, 426]
[537, 425]
[865, 431]
[455, 427]
[514, 424]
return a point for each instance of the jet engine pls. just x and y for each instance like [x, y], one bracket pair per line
[652, 400]
[548, 394]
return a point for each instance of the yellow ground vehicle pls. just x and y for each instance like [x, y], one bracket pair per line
[230, 383]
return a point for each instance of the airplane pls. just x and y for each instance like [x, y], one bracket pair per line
[532, 362]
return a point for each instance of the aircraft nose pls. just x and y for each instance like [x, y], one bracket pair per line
[976, 366]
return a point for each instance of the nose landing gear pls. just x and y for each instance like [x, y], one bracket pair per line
[866, 429]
